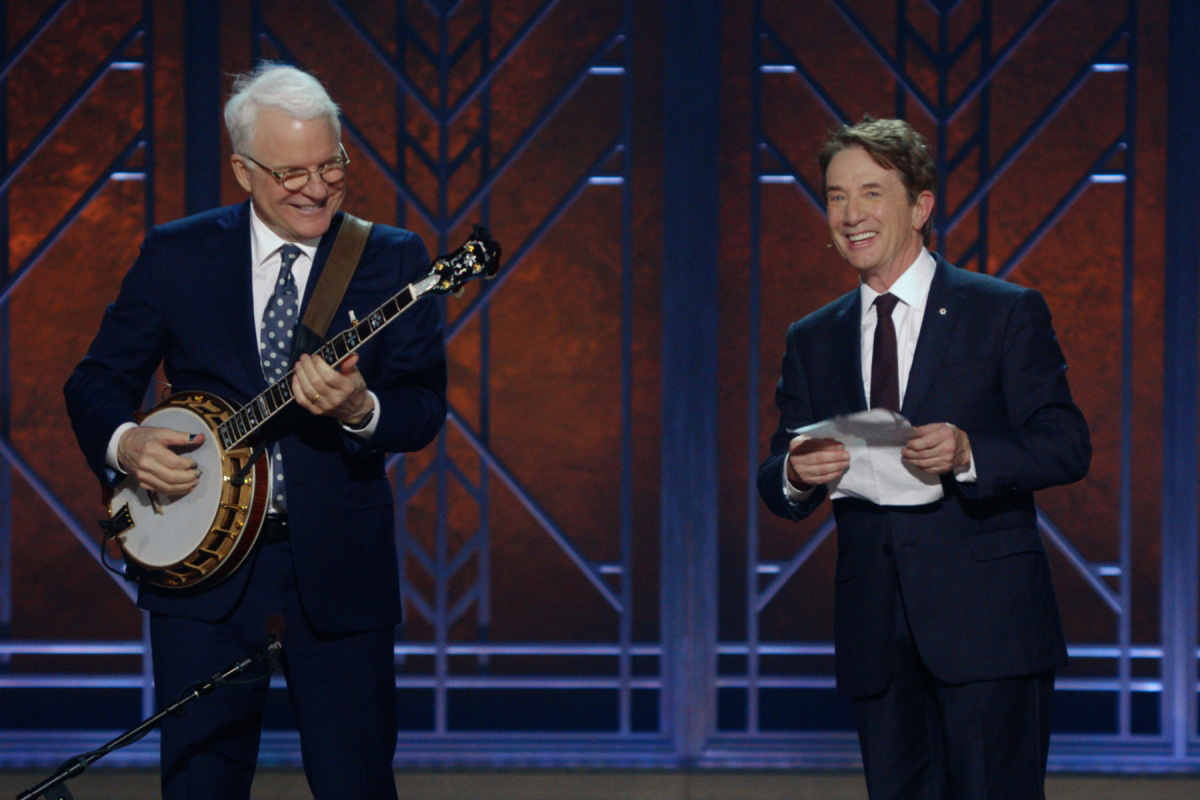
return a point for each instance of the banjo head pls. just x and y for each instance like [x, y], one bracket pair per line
[162, 539]
[181, 541]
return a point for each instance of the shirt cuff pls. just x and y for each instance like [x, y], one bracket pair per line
[110, 455]
[368, 430]
[790, 492]
[966, 474]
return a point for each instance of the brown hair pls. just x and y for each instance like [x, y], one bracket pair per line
[892, 144]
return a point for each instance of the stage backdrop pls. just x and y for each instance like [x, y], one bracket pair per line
[590, 578]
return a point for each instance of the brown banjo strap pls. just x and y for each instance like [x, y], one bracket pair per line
[331, 287]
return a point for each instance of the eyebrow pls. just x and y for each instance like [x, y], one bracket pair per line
[869, 185]
[289, 168]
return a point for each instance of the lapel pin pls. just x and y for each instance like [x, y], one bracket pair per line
[942, 311]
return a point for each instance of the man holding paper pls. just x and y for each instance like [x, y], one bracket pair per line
[946, 628]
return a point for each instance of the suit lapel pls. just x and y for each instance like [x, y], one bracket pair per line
[942, 310]
[848, 328]
[229, 254]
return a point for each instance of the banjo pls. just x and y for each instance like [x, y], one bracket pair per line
[202, 537]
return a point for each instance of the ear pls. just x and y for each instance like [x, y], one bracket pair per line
[922, 210]
[240, 171]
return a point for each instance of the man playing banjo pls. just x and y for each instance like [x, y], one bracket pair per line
[214, 298]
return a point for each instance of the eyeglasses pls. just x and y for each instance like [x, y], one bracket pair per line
[296, 179]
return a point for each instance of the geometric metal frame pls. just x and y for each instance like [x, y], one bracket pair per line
[682, 737]
[139, 148]
[610, 60]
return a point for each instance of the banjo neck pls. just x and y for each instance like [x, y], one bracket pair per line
[250, 418]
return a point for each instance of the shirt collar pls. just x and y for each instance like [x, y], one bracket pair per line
[912, 287]
[264, 242]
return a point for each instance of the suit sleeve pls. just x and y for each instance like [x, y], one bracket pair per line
[411, 386]
[792, 398]
[1046, 442]
[109, 384]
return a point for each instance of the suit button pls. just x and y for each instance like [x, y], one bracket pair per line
[887, 548]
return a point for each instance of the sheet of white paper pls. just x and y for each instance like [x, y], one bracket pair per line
[877, 473]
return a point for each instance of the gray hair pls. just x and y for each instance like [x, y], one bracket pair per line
[279, 86]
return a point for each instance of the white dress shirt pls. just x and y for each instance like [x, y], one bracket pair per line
[912, 289]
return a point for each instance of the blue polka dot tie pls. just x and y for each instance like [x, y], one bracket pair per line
[275, 345]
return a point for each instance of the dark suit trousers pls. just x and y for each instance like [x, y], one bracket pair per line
[341, 688]
[925, 739]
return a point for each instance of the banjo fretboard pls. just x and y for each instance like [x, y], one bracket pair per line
[250, 418]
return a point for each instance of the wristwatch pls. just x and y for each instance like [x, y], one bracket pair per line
[364, 422]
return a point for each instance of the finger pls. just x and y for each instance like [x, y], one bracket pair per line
[326, 372]
[815, 477]
[349, 364]
[930, 441]
[821, 472]
[172, 489]
[832, 459]
[318, 371]
[927, 462]
[307, 394]
[326, 381]
[155, 475]
[159, 458]
[173, 438]
[820, 458]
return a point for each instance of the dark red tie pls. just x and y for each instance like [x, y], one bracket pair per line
[885, 372]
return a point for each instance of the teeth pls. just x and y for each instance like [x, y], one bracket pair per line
[859, 237]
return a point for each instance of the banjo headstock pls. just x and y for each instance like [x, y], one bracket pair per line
[478, 257]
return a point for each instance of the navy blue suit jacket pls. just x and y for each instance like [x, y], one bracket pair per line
[187, 303]
[972, 566]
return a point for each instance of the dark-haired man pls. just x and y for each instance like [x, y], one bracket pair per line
[946, 628]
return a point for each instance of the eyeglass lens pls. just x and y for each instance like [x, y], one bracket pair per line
[332, 172]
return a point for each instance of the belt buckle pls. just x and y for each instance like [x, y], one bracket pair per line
[274, 529]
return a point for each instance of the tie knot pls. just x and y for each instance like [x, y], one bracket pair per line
[885, 304]
[289, 253]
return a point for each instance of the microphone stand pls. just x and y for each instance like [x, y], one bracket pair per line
[54, 787]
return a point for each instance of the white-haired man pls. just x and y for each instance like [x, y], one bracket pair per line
[198, 300]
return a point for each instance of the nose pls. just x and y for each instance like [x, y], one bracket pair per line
[853, 212]
[316, 188]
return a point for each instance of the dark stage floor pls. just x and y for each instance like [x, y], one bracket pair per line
[288, 784]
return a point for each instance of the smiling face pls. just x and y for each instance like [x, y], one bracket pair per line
[872, 224]
[282, 143]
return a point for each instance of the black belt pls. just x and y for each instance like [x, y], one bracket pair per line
[274, 529]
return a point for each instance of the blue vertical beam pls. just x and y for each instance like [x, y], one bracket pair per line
[400, 482]
[1181, 313]
[5, 381]
[689, 379]
[202, 105]
[149, 705]
[1125, 530]
[985, 138]
[441, 623]
[625, 665]
[484, 550]
[753, 376]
